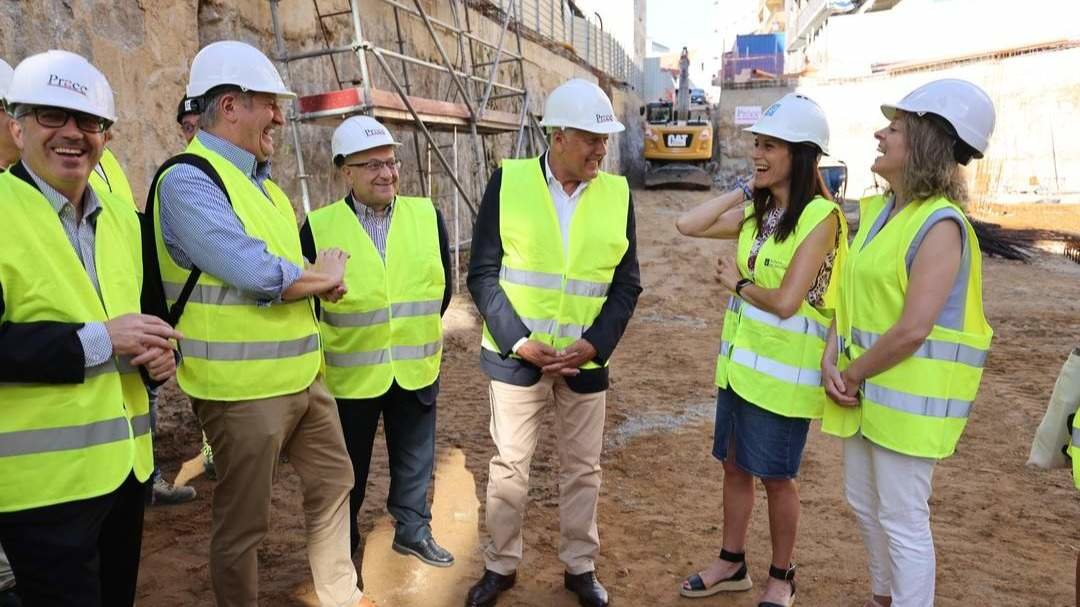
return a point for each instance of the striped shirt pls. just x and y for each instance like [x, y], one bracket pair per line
[199, 226]
[377, 225]
[96, 345]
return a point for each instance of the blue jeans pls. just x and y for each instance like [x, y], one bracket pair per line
[766, 445]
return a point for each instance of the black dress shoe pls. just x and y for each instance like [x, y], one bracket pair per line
[484, 592]
[587, 588]
[427, 551]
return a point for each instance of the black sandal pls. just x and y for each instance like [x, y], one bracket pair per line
[785, 575]
[740, 580]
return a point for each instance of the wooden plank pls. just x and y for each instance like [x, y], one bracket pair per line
[333, 106]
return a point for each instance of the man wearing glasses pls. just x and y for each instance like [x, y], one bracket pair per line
[251, 346]
[383, 340]
[187, 116]
[75, 447]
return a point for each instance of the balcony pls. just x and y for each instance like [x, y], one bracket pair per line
[804, 18]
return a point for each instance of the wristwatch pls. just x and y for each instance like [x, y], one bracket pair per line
[743, 282]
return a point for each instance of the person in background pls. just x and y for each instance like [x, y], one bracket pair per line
[792, 240]
[383, 340]
[913, 337]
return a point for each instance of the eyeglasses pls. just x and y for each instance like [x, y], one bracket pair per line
[54, 118]
[188, 128]
[375, 166]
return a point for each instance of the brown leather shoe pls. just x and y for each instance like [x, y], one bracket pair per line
[587, 588]
[484, 592]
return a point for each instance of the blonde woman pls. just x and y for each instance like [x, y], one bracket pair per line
[791, 243]
[912, 334]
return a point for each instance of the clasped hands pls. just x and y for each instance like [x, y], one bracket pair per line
[145, 339]
[565, 362]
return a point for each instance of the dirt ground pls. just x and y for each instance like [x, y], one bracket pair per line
[1005, 534]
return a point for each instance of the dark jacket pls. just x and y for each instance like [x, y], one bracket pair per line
[308, 246]
[505, 325]
[43, 351]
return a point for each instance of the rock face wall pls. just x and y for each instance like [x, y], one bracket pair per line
[145, 48]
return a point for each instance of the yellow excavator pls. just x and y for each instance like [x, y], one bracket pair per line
[678, 138]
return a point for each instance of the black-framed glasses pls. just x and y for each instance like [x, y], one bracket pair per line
[55, 118]
[376, 165]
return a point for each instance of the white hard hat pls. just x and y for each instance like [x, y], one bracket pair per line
[236, 63]
[62, 79]
[963, 105]
[794, 118]
[5, 78]
[357, 134]
[580, 104]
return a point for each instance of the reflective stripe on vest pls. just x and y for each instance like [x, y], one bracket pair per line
[61, 443]
[558, 291]
[770, 361]
[253, 350]
[379, 357]
[931, 348]
[236, 347]
[388, 326]
[915, 404]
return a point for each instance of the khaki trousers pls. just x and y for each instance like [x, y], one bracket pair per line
[516, 415]
[248, 438]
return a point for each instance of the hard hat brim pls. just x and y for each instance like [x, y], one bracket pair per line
[757, 130]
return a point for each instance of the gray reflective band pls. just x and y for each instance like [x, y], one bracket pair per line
[795, 324]
[725, 348]
[356, 319]
[415, 352]
[574, 331]
[140, 425]
[734, 303]
[357, 359]
[776, 369]
[208, 294]
[542, 280]
[552, 327]
[915, 404]
[539, 325]
[382, 357]
[586, 288]
[47, 440]
[1076, 437]
[252, 350]
[415, 308]
[110, 366]
[933, 349]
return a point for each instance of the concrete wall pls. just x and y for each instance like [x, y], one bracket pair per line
[1033, 153]
[145, 48]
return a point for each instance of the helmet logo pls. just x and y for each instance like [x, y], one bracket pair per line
[602, 118]
[65, 83]
[772, 109]
[374, 132]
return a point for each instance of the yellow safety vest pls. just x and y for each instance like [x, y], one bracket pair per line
[558, 294]
[388, 325]
[920, 406]
[773, 362]
[235, 349]
[1074, 449]
[115, 181]
[65, 442]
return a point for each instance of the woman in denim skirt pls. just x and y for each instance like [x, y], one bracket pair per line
[792, 239]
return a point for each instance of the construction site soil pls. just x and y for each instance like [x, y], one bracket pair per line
[1005, 534]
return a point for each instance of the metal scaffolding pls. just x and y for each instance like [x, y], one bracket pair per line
[476, 85]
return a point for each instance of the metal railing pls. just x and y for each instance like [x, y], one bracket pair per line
[552, 19]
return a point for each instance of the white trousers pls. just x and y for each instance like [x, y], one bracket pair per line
[889, 493]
